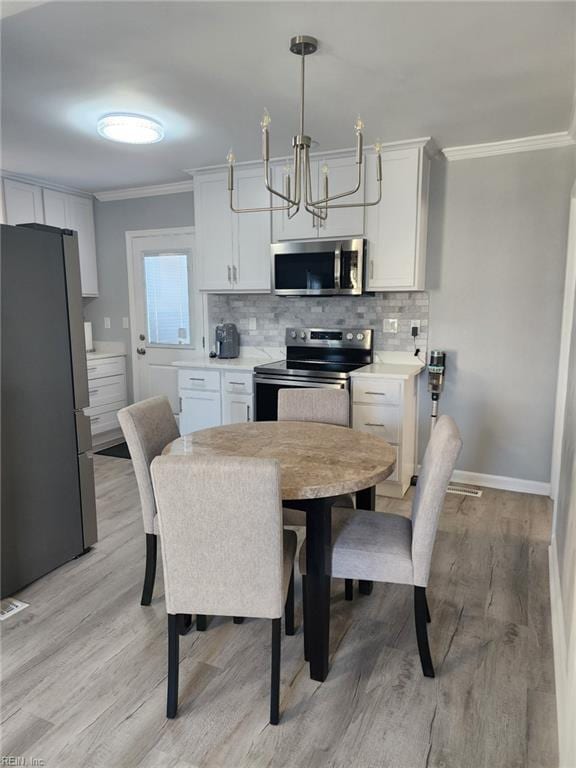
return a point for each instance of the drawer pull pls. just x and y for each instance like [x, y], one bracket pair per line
[382, 394]
[192, 378]
[94, 418]
[91, 370]
[368, 424]
[238, 383]
[93, 391]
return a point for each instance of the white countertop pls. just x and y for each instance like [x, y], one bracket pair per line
[389, 370]
[101, 355]
[232, 364]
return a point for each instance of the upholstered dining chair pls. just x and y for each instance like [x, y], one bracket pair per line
[224, 550]
[396, 549]
[148, 426]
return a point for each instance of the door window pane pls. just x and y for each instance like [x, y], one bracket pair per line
[167, 298]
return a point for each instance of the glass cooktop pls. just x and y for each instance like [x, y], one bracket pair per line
[310, 368]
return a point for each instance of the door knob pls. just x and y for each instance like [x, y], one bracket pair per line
[140, 350]
[142, 337]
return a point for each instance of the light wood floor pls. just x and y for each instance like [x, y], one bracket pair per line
[84, 667]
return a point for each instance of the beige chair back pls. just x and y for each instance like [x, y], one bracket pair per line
[326, 406]
[437, 467]
[221, 529]
[148, 426]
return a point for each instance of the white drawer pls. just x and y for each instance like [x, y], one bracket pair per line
[198, 378]
[104, 417]
[106, 366]
[377, 391]
[381, 420]
[238, 383]
[109, 390]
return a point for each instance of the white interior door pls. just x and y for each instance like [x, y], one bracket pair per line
[166, 309]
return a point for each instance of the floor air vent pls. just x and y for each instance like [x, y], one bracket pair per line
[10, 606]
[463, 491]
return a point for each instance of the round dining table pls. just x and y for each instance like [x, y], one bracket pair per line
[318, 462]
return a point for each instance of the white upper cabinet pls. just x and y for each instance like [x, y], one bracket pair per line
[251, 268]
[341, 222]
[77, 213]
[23, 203]
[396, 228]
[234, 248]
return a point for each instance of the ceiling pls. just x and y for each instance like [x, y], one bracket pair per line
[463, 73]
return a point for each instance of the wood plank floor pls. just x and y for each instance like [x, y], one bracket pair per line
[84, 668]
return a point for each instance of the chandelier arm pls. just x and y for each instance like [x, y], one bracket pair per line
[257, 210]
[325, 200]
[320, 213]
[273, 191]
[360, 205]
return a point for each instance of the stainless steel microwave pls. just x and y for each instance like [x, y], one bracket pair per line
[318, 267]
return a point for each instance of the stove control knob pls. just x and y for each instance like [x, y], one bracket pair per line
[360, 336]
[302, 335]
[293, 334]
[349, 336]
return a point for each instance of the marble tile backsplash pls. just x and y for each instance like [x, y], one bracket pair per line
[272, 314]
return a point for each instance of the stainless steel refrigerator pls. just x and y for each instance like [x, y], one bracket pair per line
[48, 510]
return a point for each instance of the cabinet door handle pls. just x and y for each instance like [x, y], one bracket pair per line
[370, 424]
[180, 405]
[192, 378]
[381, 394]
[229, 274]
[247, 413]
[371, 269]
[235, 273]
[238, 383]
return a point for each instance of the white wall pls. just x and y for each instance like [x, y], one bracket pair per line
[496, 260]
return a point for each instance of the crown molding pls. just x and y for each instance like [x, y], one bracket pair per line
[526, 144]
[39, 182]
[151, 191]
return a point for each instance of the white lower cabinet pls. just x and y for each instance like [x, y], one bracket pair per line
[387, 408]
[209, 398]
[107, 392]
[199, 410]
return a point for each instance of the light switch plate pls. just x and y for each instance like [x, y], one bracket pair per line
[252, 324]
[390, 325]
[106, 322]
[125, 322]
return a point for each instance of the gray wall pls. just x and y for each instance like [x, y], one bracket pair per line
[113, 220]
[496, 261]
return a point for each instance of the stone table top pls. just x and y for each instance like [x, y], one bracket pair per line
[316, 460]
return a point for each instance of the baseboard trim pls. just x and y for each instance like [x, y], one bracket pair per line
[500, 482]
[564, 713]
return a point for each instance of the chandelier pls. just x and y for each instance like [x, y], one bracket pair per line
[299, 176]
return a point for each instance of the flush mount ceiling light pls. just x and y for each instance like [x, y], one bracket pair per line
[130, 129]
[300, 175]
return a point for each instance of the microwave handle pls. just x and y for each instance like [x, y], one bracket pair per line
[337, 264]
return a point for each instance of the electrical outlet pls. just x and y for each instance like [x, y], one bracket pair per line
[415, 324]
[390, 325]
[125, 322]
[106, 322]
[252, 324]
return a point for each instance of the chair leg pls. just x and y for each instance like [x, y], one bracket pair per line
[150, 573]
[428, 617]
[173, 658]
[289, 607]
[238, 619]
[422, 631]
[275, 681]
[349, 589]
[305, 618]
[184, 623]
[365, 587]
[201, 623]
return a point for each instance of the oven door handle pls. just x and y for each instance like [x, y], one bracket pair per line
[304, 383]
